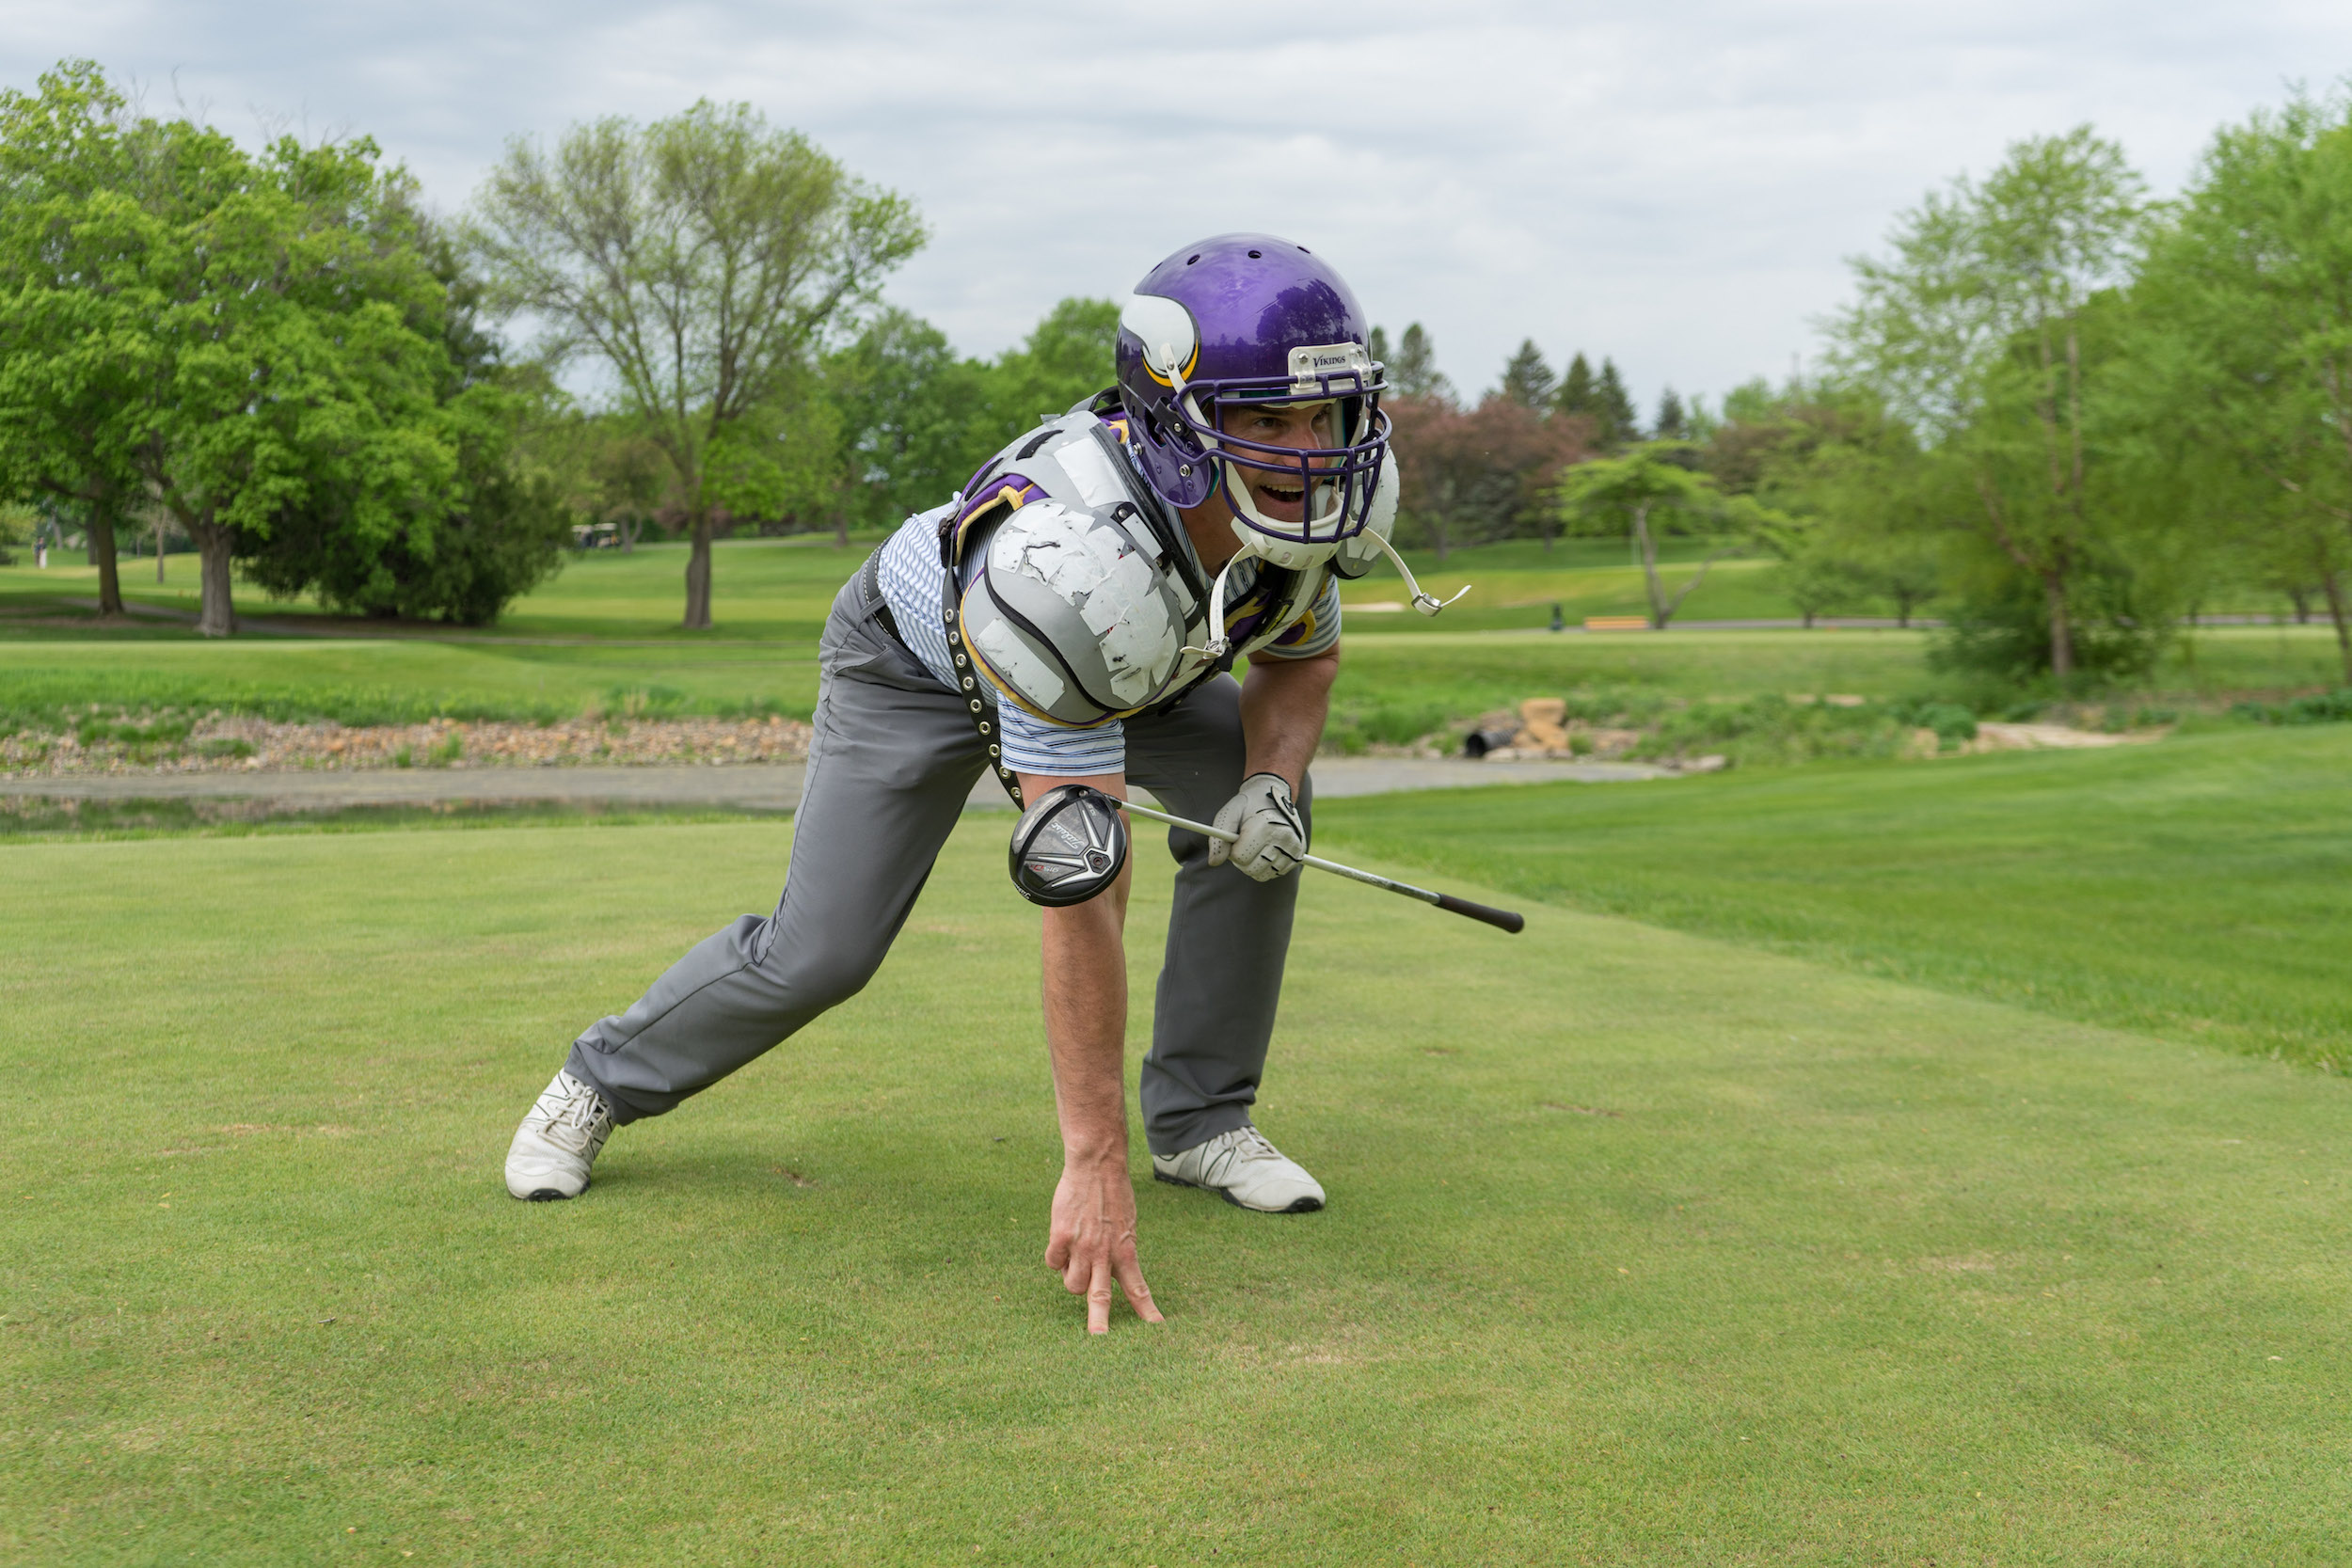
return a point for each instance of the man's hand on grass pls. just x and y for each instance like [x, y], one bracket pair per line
[1092, 1239]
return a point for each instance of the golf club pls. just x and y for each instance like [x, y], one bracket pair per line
[1507, 920]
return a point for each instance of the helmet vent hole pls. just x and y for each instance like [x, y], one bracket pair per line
[1256, 254]
[1190, 259]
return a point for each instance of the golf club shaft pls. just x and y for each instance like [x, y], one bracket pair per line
[1507, 920]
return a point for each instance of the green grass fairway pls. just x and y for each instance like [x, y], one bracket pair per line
[1393, 686]
[1641, 1247]
[764, 589]
[778, 588]
[406, 679]
[2196, 888]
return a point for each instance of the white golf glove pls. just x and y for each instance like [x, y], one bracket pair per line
[1265, 823]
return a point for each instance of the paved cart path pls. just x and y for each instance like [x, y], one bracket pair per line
[753, 786]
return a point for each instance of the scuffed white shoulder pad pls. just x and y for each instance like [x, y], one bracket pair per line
[1357, 553]
[1071, 617]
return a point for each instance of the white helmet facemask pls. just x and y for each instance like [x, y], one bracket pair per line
[1364, 545]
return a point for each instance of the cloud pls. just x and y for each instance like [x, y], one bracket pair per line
[1676, 190]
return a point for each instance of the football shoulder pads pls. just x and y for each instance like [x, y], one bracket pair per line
[1087, 604]
[1079, 610]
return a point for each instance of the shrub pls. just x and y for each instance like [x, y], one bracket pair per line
[2323, 707]
[1951, 722]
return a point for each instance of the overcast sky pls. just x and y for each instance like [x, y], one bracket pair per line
[1677, 190]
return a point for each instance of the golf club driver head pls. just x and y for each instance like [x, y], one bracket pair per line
[1068, 847]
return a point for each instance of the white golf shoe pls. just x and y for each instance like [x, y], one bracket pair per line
[1248, 1171]
[558, 1141]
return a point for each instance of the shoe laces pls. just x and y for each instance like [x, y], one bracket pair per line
[1243, 1145]
[584, 1113]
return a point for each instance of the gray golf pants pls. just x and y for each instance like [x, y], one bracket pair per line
[892, 761]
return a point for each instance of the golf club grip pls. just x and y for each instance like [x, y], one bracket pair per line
[1508, 919]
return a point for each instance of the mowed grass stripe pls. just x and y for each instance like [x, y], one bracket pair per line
[2201, 887]
[1641, 1247]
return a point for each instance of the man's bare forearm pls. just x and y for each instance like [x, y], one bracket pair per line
[1085, 1006]
[1284, 702]
[1090, 1238]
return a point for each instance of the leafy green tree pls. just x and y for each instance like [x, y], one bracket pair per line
[1983, 329]
[242, 341]
[1862, 510]
[1068, 358]
[302, 329]
[907, 412]
[500, 525]
[1413, 374]
[1527, 380]
[1672, 423]
[76, 350]
[604, 467]
[705, 261]
[2245, 344]
[19, 523]
[916, 421]
[1656, 491]
[1612, 407]
[1579, 392]
[1821, 581]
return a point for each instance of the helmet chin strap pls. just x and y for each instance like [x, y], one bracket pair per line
[1428, 604]
[1218, 642]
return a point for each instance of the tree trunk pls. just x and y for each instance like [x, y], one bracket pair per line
[2340, 613]
[629, 527]
[159, 550]
[2061, 629]
[1648, 547]
[698, 575]
[100, 531]
[217, 615]
[841, 530]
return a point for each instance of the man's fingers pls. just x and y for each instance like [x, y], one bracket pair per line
[1129, 1275]
[1098, 1300]
[1057, 1253]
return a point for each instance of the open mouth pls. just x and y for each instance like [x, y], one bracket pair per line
[1278, 499]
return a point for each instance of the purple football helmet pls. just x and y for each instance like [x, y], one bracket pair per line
[1254, 319]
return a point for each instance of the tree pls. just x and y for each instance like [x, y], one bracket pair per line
[302, 335]
[1578, 392]
[705, 260]
[1482, 473]
[907, 410]
[916, 421]
[1067, 359]
[1414, 371]
[76, 348]
[1672, 425]
[1527, 380]
[1612, 407]
[2245, 316]
[240, 339]
[603, 466]
[1979, 329]
[1860, 507]
[1652, 492]
[500, 522]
